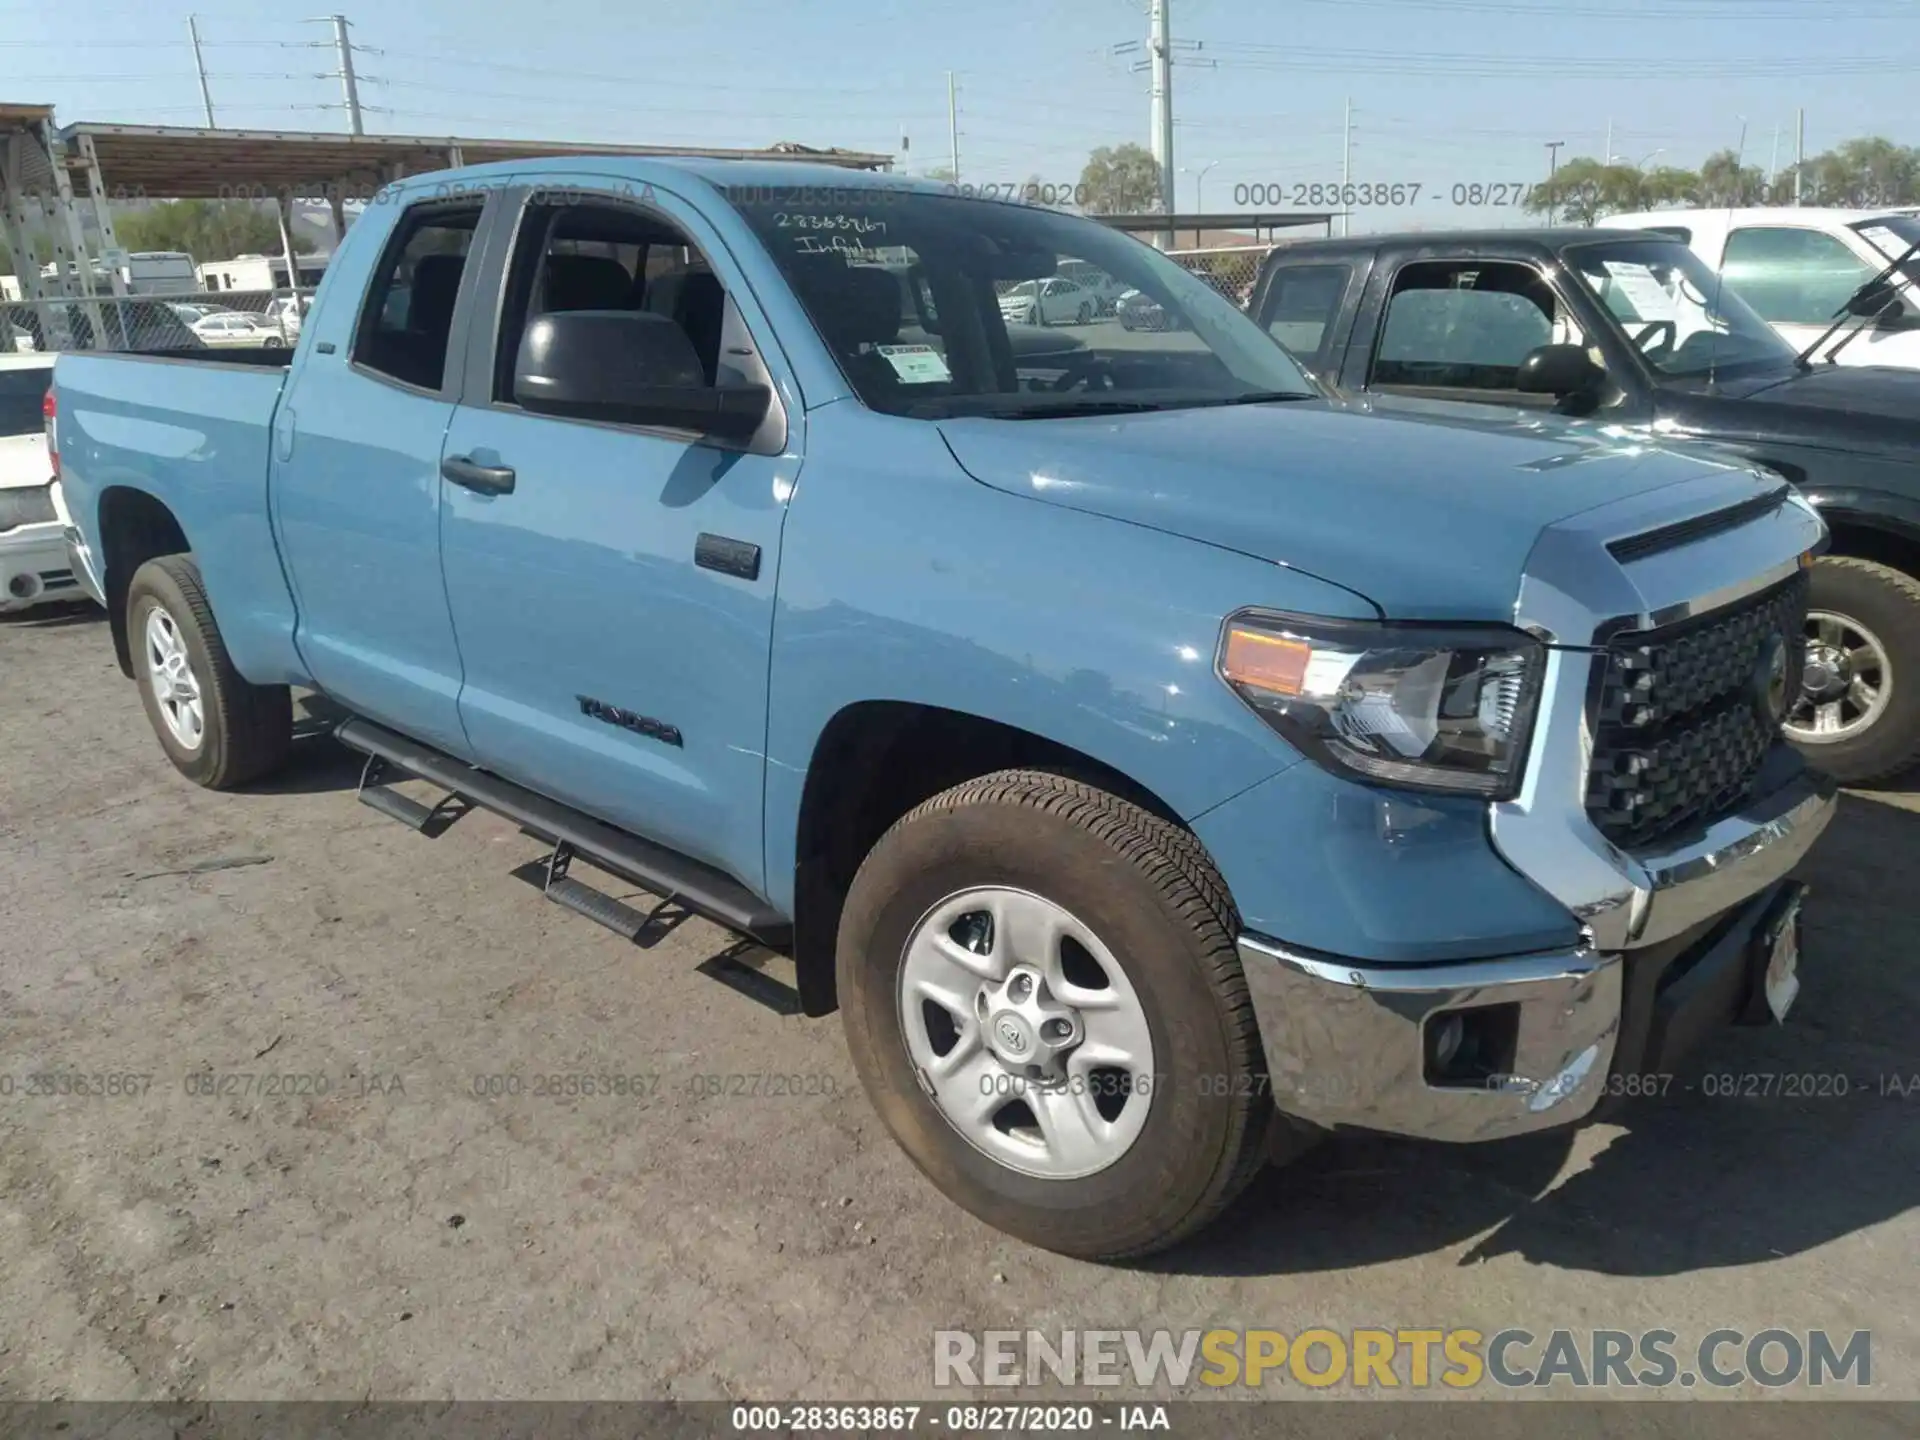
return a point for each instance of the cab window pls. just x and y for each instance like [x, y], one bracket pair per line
[1793, 276]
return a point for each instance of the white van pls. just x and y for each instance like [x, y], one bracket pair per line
[1797, 267]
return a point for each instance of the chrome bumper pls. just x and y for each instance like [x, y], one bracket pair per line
[1346, 1043]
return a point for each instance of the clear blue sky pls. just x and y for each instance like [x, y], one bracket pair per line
[1443, 91]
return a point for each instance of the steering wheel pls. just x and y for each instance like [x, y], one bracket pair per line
[1659, 349]
[1084, 372]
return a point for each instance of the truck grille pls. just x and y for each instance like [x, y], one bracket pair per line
[1680, 731]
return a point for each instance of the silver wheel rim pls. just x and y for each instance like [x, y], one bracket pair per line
[1026, 1033]
[170, 672]
[1849, 681]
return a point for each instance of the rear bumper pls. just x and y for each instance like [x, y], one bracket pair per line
[34, 567]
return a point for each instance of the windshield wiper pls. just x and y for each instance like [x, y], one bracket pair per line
[1264, 397]
[1805, 358]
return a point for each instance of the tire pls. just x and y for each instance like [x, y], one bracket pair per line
[1884, 603]
[246, 731]
[274, 342]
[1145, 889]
[1084, 316]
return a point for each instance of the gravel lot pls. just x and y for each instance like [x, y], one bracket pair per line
[400, 1235]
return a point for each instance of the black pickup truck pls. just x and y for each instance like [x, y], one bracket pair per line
[1630, 330]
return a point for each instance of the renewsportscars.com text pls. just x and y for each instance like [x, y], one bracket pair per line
[1415, 1359]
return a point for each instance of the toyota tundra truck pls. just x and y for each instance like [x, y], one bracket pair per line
[1148, 752]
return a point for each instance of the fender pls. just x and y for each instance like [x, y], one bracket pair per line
[904, 579]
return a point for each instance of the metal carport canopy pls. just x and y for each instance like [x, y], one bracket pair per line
[167, 162]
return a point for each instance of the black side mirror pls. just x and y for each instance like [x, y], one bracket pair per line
[629, 367]
[1559, 370]
[1875, 301]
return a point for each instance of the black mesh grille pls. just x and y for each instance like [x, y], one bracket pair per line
[1678, 734]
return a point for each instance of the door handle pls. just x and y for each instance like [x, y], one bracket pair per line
[481, 479]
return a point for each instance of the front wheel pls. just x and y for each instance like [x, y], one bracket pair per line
[1858, 716]
[1084, 316]
[217, 729]
[1043, 999]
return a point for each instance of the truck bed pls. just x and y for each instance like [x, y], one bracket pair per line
[197, 436]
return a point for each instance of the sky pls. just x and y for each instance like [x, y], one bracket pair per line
[1444, 93]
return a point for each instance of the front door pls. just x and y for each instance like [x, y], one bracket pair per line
[356, 480]
[615, 607]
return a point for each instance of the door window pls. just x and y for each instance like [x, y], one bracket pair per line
[409, 313]
[1302, 303]
[1793, 276]
[1465, 325]
[608, 257]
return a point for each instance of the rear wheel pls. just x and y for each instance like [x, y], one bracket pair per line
[1042, 997]
[1858, 717]
[1085, 314]
[217, 729]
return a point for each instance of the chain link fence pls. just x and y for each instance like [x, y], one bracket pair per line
[206, 320]
[1229, 269]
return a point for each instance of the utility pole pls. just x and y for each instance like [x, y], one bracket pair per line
[1773, 161]
[1553, 168]
[1799, 151]
[344, 45]
[1160, 55]
[1606, 155]
[953, 126]
[200, 66]
[1346, 167]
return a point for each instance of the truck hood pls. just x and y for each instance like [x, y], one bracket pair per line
[1429, 510]
[1866, 407]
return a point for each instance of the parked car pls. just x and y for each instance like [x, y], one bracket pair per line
[285, 313]
[1149, 762]
[1632, 331]
[1105, 290]
[1139, 311]
[1047, 302]
[192, 312]
[237, 329]
[34, 567]
[1797, 267]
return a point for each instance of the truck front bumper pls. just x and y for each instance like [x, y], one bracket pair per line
[1485, 1049]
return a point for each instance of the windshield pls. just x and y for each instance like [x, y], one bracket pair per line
[1893, 236]
[1675, 310]
[935, 306]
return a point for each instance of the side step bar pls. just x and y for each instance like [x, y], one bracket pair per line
[683, 881]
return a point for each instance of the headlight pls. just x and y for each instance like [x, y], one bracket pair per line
[1430, 707]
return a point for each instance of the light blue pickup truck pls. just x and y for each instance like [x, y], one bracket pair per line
[1149, 753]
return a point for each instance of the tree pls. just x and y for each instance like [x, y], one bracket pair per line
[208, 230]
[1583, 190]
[1120, 180]
[1725, 181]
[1864, 173]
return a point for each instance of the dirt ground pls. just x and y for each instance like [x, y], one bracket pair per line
[393, 1230]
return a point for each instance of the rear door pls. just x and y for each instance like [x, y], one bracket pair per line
[356, 486]
[615, 607]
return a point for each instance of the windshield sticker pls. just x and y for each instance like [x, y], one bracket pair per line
[917, 364]
[1885, 241]
[1650, 299]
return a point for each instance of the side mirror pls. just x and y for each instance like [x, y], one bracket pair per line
[1559, 370]
[628, 367]
[1880, 301]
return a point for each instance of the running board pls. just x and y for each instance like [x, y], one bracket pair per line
[681, 880]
